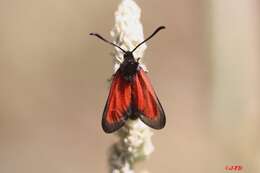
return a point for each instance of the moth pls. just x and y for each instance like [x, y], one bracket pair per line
[131, 94]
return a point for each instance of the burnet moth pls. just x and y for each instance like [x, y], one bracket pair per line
[131, 94]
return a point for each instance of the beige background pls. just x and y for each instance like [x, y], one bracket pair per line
[204, 67]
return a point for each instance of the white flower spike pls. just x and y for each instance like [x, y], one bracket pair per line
[135, 142]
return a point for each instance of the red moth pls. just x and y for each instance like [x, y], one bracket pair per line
[131, 94]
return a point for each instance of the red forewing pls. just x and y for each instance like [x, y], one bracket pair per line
[145, 101]
[118, 105]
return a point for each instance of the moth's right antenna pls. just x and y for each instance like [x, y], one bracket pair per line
[157, 30]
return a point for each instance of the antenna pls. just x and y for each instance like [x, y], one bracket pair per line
[100, 37]
[157, 30]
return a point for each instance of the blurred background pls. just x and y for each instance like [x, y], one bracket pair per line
[53, 85]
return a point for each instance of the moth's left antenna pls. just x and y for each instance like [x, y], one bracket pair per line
[105, 40]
